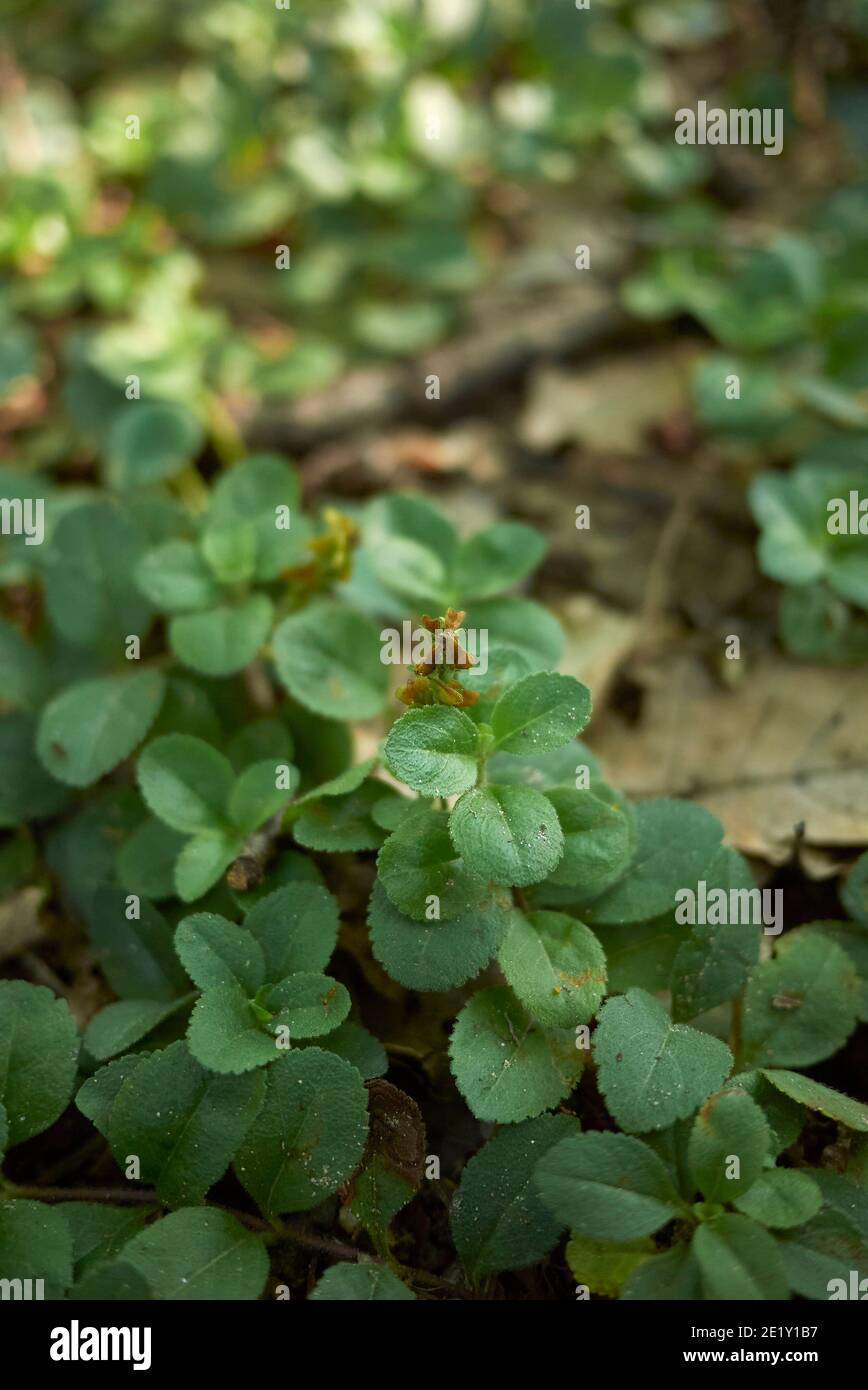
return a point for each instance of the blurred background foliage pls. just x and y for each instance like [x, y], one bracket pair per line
[308, 127]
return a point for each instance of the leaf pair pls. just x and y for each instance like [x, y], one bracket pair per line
[262, 984]
[193, 789]
[87, 1251]
[509, 834]
[414, 552]
[252, 531]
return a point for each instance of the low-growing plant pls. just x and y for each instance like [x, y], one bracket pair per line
[814, 540]
[638, 1072]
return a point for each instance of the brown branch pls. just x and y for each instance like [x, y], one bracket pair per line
[248, 870]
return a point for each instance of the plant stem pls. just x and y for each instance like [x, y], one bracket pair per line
[123, 1196]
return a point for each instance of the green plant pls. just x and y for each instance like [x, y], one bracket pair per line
[238, 919]
[813, 540]
[506, 868]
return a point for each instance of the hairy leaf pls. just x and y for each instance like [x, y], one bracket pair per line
[497, 1218]
[653, 1071]
[507, 1067]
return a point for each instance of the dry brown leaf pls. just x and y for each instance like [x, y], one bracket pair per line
[609, 407]
[20, 927]
[598, 640]
[786, 748]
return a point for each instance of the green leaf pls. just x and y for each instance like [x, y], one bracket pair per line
[510, 834]
[253, 491]
[112, 1281]
[507, 1068]
[145, 863]
[357, 1046]
[673, 1276]
[527, 627]
[827, 1248]
[607, 1186]
[225, 1035]
[255, 798]
[119, 1026]
[853, 940]
[297, 928]
[712, 965]
[216, 952]
[230, 551]
[309, 1135]
[202, 861]
[136, 954]
[599, 828]
[677, 841]
[38, 1057]
[308, 1004]
[25, 677]
[796, 545]
[419, 861]
[802, 1006]
[604, 1268]
[93, 725]
[339, 824]
[81, 851]
[556, 967]
[187, 709]
[816, 1096]
[434, 955]
[540, 713]
[183, 1123]
[35, 1243]
[185, 782]
[394, 809]
[784, 1117]
[739, 1260]
[26, 790]
[729, 1126]
[497, 1218]
[345, 782]
[222, 640]
[505, 667]
[410, 544]
[557, 769]
[99, 1093]
[780, 1198]
[434, 750]
[259, 741]
[361, 1283]
[175, 578]
[328, 657]
[149, 443]
[200, 1254]
[89, 565]
[496, 558]
[849, 1199]
[652, 1071]
[98, 1231]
